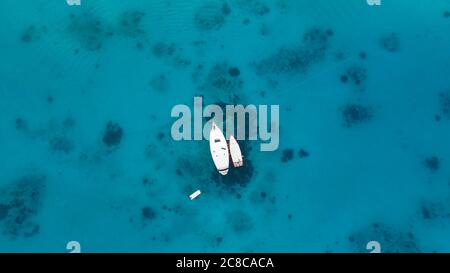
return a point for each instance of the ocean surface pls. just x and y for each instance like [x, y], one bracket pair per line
[86, 152]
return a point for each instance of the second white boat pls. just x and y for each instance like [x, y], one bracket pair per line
[235, 152]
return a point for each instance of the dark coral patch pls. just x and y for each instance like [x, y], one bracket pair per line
[390, 42]
[170, 52]
[139, 45]
[236, 177]
[145, 180]
[299, 58]
[303, 153]
[390, 239]
[355, 74]
[32, 33]
[287, 155]
[226, 10]
[223, 82]
[211, 15]
[162, 49]
[68, 123]
[220, 80]
[130, 24]
[148, 213]
[444, 103]
[234, 71]
[21, 124]
[432, 163]
[430, 211]
[256, 7]
[160, 136]
[19, 205]
[50, 99]
[240, 221]
[61, 145]
[362, 55]
[113, 134]
[160, 83]
[354, 114]
[89, 31]
[4, 210]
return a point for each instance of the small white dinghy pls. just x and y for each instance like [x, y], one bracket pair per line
[219, 149]
[195, 194]
[235, 152]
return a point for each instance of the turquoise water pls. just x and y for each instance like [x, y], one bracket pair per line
[85, 147]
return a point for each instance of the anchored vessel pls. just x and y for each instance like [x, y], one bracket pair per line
[221, 153]
[219, 149]
[235, 152]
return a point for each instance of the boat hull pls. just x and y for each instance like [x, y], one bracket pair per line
[235, 152]
[219, 149]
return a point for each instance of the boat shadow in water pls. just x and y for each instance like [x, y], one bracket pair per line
[237, 177]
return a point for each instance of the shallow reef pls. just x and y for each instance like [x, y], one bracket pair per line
[61, 144]
[297, 59]
[240, 221]
[32, 33]
[434, 210]
[162, 49]
[236, 177]
[362, 55]
[112, 135]
[170, 52]
[186, 167]
[223, 82]
[21, 124]
[264, 30]
[211, 15]
[130, 24]
[148, 213]
[256, 7]
[354, 114]
[390, 42]
[287, 155]
[390, 239]
[176, 209]
[355, 74]
[159, 83]
[432, 163]
[89, 30]
[302, 153]
[56, 133]
[444, 103]
[262, 196]
[20, 202]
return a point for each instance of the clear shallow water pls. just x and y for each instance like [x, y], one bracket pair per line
[85, 147]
